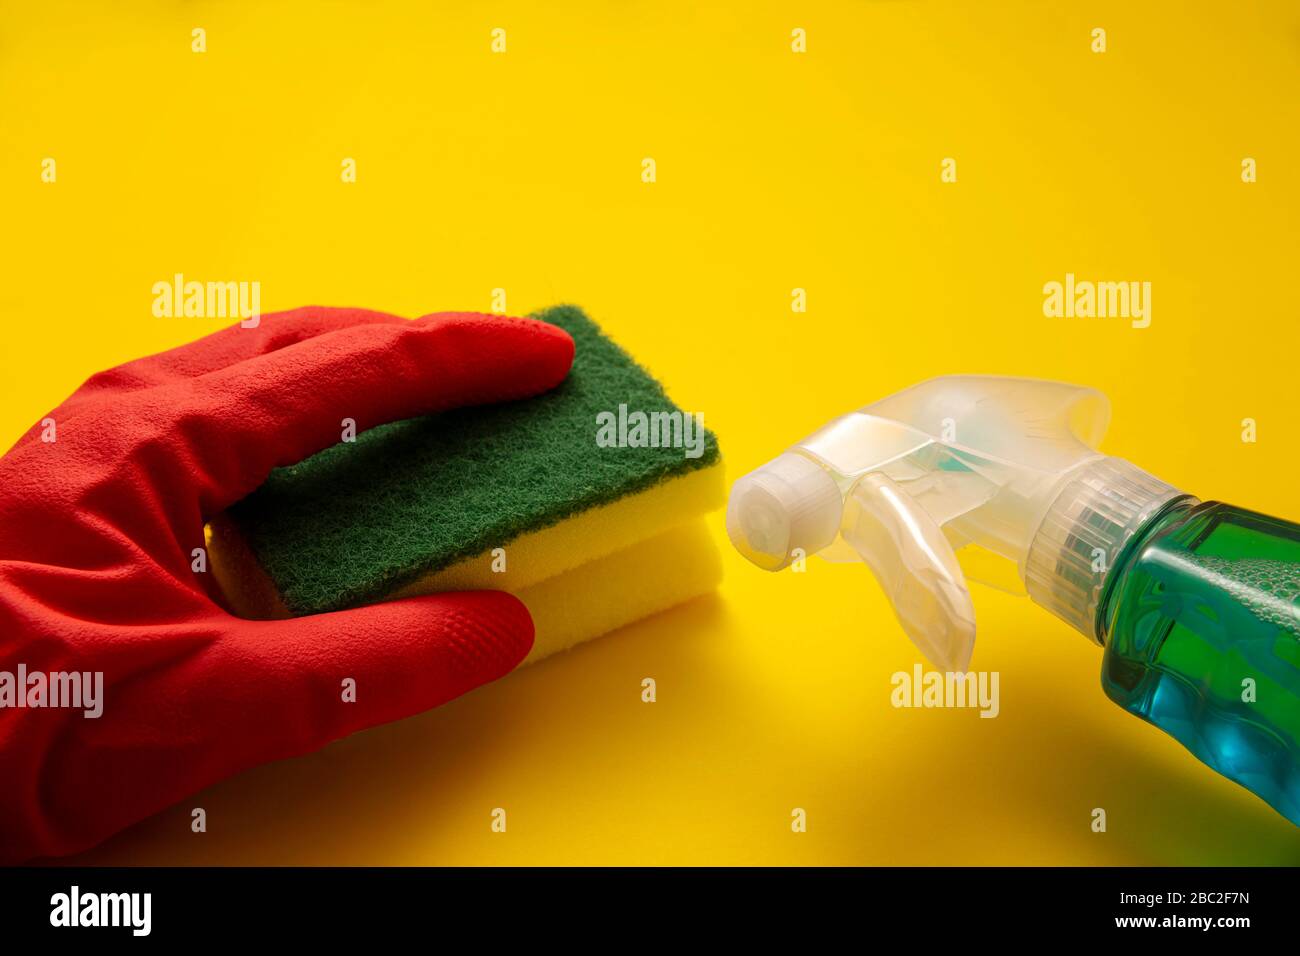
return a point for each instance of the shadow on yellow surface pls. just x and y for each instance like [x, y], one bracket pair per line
[761, 708]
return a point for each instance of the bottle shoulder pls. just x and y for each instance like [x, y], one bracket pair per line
[1209, 533]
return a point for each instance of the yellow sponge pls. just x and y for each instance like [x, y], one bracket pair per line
[605, 594]
[581, 578]
[582, 538]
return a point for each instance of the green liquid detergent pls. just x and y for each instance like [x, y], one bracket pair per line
[1202, 632]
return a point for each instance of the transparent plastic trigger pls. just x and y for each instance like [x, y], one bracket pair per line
[917, 568]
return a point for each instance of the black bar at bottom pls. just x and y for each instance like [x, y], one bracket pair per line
[543, 906]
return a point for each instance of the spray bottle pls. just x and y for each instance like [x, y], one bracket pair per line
[1194, 603]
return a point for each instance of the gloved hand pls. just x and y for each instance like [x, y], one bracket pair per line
[97, 531]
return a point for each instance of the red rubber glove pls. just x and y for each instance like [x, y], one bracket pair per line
[96, 534]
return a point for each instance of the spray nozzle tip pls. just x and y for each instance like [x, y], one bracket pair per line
[790, 503]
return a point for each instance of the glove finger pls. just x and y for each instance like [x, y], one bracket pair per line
[344, 671]
[231, 427]
[225, 347]
[258, 691]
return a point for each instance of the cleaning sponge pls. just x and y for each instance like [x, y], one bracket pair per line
[506, 496]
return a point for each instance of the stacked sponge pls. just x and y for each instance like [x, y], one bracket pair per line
[520, 497]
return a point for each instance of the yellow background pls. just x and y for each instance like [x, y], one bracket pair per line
[775, 170]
